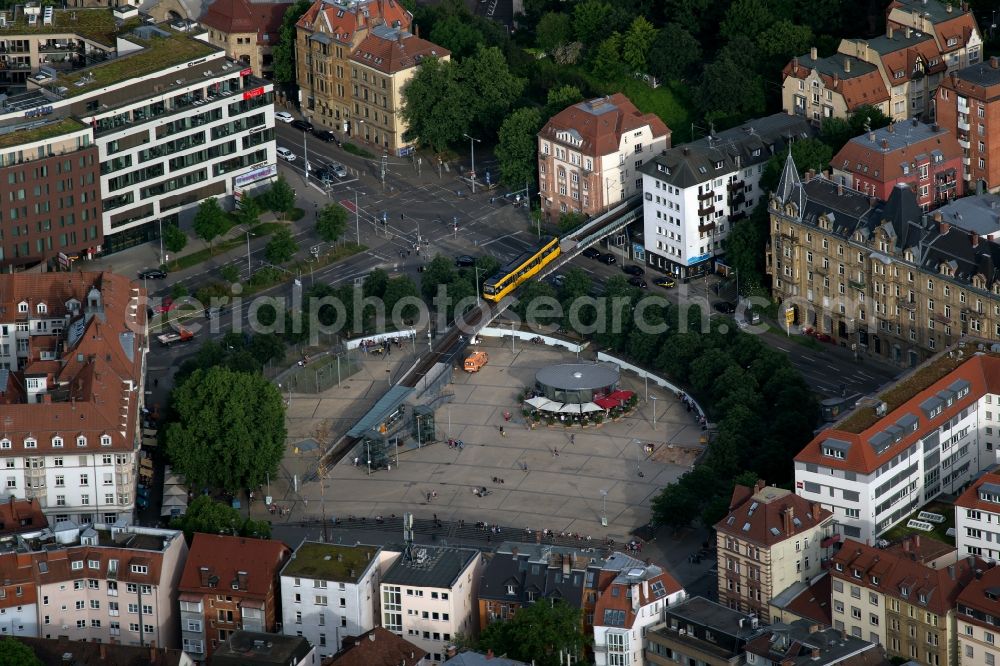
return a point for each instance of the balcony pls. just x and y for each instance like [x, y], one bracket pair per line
[908, 305]
[964, 143]
[829, 541]
[707, 227]
[706, 196]
[963, 125]
[857, 284]
[967, 161]
[735, 186]
[702, 212]
[737, 199]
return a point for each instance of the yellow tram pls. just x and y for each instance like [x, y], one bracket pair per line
[508, 278]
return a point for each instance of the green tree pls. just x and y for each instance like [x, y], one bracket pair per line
[674, 53]
[210, 517]
[331, 222]
[457, 34]
[434, 105]
[807, 153]
[554, 29]
[229, 430]
[745, 250]
[606, 62]
[282, 247]
[489, 88]
[266, 347]
[746, 18]
[637, 42]
[590, 20]
[517, 146]
[784, 39]
[15, 653]
[375, 284]
[248, 212]
[439, 271]
[174, 240]
[731, 89]
[210, 220]
[280, 197]
[543, 633]
[397, 289]
[284, 50]
[230, 273]
[561, 97]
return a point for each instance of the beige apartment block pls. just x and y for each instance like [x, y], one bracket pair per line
[247, 30]
[977, 612]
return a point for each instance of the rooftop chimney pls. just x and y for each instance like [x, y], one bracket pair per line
[975, 240]
[951, 571]
[795, 64]
[906, 545]
[943, 227]
[787, 516]
[817, 511]
[759, 486]
[889, 32]
[103, 649]
[916, 541]
[909, 32]
[994, 62]
[814, 53]
[847, 65]
[489, 654]
[885, 144]
[891, 128]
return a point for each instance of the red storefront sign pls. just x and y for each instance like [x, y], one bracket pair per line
[256, 92]
[246, 72]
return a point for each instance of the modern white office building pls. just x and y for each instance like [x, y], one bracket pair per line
[933, 432]
[330, 592]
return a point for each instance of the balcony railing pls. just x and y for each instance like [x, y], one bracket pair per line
[702, 212]
[830, 540]
[857, 284]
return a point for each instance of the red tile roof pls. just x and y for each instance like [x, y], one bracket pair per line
[981, 370]
[378, 647]
[52, 651]
[243, 16]
[344, 23]
[970, 498]
[615, 596]
[225, 558]
[21, 515]
[857, 90]
[813, 603]
[394, 55]
[887, 160]
[767, 515]
[601, 123]
[904, 578]
[982, 594]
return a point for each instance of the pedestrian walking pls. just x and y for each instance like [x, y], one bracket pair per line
[572, 438]
[503, 433]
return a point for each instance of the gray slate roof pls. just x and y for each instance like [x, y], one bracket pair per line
[574, 376]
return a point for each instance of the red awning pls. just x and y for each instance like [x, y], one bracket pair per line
[606, 402]
[620, 396]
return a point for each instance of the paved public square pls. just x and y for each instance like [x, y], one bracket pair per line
[559, 492]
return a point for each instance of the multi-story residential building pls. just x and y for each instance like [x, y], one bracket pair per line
[81, 653]
[590, 154]
[247, 30]
[381, 66]
[327, 36]
[329, 592]
[72, 361]
[952, 25]
[899, 603]
[925, 436]
[379, 647]
[977, 611]
[109, 583]
[977, 510]
[968, 107]
[429, 595]
[803, 601]
[21, 516]
[926, 158]
[631, 599]
[700, 631]
[769, 540]
[883, 279]
[256, 648]
[173, 121]
[806, 643]
[695, 192]
[470, 658]
[229, 584]
[832, 87]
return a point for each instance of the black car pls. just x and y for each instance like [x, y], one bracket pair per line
[303, 125]
[725, 307]
[637, 282]
[607, 259]
[152, 274]
[633, 270]
[326, 135]
[591, 253]
[557, 280]
[465, 261]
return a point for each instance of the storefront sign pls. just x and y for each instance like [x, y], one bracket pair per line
[246, 72]
[39, 111]
[268, 171]
[256, 92]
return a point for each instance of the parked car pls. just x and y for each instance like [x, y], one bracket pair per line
[166, 305]
[283, 116]
[667, 282]
[286, 154]
[637, 281]
[338, 169]
[152, 274]
[725, 307]
[557, 280]
[632, 269]
[326, 135]
[465, 261]
[303, 125]
[591, 253]
[607, 259]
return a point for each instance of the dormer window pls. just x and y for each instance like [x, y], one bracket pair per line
[105, 440]
[922, 598]
[22, 306]
[30, 443]
[510, 590]
[4, 443]
[41, 308]
[874, 580]
[904, 591]
[857, 573]
[840, 567]
[833, 453]
[57, 442]
[81, 441]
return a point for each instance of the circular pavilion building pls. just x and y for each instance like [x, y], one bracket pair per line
[573, 390]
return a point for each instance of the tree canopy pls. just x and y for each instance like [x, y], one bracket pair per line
[283, 51]
[282, 246]
[210, 220]
[206, 515]
[229, 430]
[15, 653]
[544, 633]
[331, 222]
[174, 240]
[518, 146]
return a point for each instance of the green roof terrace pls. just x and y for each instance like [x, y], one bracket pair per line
[158, 53]
[97, 25]
[41, 132]
[332, 562]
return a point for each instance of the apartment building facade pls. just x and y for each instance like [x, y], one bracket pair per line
[801, 643]
[330, 592]
[590, 155]
[693, 194]
[381, 65]
[977, 509]
[246, 30]
[901, 604]
[109, 583]
[883, 279]
[952, 25]
[327, 36]
[832, 87]
[633, 595]
[977, 613]
[72, 366]
[700, 631]
[926, 158]
[429, 595]
[967, 105]
[882, 461]
[229, 584]
[769, 540]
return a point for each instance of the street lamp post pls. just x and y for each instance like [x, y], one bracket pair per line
[472, 150]
[418, 431]
[161, 240]
[478, 296]
[604, 508]
[357, 217]
[653, 398]
[305, 156]
[249, 265]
